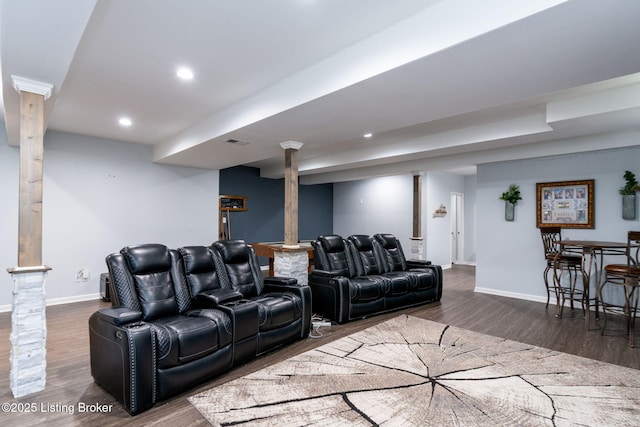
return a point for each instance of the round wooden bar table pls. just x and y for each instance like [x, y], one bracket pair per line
[593, 253]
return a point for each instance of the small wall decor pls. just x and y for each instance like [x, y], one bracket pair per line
[628, 193]
[510, 197]
[567, 204]
[226, 205]
[440, 212]
[232, 203]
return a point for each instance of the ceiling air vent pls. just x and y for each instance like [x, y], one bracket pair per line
[236, 142]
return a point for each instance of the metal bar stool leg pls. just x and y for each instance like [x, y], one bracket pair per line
[545, 275]
[557, 281]
[631, 307]
[604, 311]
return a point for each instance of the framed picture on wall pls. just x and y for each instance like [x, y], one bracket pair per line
[567, 204]
[232, 203]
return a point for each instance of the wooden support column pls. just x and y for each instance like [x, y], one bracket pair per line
[292, 260]
[31, 168]
[291, 192]
[417, 243]
[28, 320]
[417, 204]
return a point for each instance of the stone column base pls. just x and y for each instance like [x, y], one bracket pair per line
[292, 262]
[417, 248]
[28, 331]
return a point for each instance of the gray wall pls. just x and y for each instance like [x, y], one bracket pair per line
[264, 219]
[470, 218]
[509, 254]
[385, 205]
[378, 205]
[437, 230]
[100, 195]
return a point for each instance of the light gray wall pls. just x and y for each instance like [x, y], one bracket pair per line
[371, 206]
[509, 254]
[385, 205]
[470, 217]
[9, 178]
[437, 189]
[101, 195]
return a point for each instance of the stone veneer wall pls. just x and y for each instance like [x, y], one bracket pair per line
[292, 263]
[28, 334]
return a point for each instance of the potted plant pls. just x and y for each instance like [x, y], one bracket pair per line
[511, 197]
[628, 193]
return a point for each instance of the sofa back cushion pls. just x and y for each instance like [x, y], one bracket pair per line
[150, 266]
[331, 253]
[241, 268]
[199, 268]
[366, 257]
[392, 252]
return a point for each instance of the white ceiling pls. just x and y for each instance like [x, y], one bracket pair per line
[442, 84]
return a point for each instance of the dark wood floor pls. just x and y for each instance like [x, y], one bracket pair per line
[69, 380]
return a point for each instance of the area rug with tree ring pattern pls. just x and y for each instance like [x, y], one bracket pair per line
[409, 371]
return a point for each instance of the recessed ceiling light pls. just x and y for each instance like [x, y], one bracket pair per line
[367, 135]
[184, 73]
[125, 121]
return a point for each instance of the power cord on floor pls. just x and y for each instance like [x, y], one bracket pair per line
[318, 322]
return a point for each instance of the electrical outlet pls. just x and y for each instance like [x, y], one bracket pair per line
[82, 275]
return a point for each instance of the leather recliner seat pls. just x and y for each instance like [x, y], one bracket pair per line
[152, 344]
[396, 285]
[361, 276]
[424, 275]
[180, 317]
[282, 304]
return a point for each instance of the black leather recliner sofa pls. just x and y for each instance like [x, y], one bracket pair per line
[362, 276]
[180, 317]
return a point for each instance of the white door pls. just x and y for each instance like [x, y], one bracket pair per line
[457, 232]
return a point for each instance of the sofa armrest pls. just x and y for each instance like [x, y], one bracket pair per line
[331, 294]
[437, 270]
[123, 359]
[417, 263]
[326, 274]
[282, 284]
[289, 281]
[437, 274]
[302, 291]
[216, 297]
[119, 316]
[296, 288]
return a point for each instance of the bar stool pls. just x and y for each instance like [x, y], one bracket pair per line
[572, 263]
[626, 276]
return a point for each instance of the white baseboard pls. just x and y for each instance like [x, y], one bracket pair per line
[58, 301]
[508, 294]
[446, 266]
[527, 297]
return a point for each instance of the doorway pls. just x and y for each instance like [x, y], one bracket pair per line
[457, 228]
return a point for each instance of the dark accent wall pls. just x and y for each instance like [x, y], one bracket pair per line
[264, 219]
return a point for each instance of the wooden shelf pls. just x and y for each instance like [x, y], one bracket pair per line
[232, 203]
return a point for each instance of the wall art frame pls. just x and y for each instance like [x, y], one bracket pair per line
[567, 204]
[232, 203]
